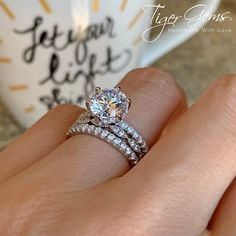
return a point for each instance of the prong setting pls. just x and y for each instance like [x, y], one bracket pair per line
[104, 119]
[97, 90]
[129, 101]
[118, 88]
[87, 103]
[110, 105]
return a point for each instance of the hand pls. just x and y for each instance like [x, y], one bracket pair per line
[83, 186]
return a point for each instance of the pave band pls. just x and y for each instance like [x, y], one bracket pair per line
[104, 119]
[106, 136]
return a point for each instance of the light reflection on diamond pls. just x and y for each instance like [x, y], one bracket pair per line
[110, 105]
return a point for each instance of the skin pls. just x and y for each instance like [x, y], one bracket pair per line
[82, 186]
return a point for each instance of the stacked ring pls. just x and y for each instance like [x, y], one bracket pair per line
[104, 119]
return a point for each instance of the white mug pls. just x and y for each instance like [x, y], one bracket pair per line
[54, 52]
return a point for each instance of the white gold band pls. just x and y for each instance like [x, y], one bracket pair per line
[105, 135]
[105, 119]
[122, 136]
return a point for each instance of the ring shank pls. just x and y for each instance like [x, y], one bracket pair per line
[121, 136]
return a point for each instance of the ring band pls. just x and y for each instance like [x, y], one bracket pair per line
[108, 137]
[104, 119]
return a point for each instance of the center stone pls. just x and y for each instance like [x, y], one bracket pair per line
[109, 105]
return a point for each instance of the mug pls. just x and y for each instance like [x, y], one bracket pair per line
[54, 52]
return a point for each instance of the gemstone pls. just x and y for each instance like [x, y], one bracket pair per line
[111, 137]
[104, 133]
[139, 139]
[132, 142]
[134, 145]
[133, 157]
[135, 161]
[91, 129]
[117, 141]
[115, 129]
[122, 134]
[84, 128]
[84, 118]
[123, 125]
[78, 128]
[98, 130]
[130, 130]
[109, 105]
[135, 135]
[128, 151]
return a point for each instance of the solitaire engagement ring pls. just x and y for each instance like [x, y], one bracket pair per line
[105, 119]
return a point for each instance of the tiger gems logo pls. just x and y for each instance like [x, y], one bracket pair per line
[191, 18]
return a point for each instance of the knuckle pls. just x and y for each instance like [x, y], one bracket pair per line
[227, 84]
[65, 109]
[224, 93]
[228, 81]
[34, 206]
[147, 71]
[158, 80]
[151, 73]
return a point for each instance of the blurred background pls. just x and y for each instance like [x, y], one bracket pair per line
[195, 64]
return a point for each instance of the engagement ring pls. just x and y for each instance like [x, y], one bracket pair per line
[105, 119]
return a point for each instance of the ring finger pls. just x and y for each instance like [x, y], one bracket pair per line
[88, 161]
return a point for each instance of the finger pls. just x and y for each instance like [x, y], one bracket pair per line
[38, 141]
[183, 177]
[87, 161]
[175, 116]
[224, 219]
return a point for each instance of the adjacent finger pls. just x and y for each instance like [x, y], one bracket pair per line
[38, 141]
[87, 161]
[184, 176]
[224, 219]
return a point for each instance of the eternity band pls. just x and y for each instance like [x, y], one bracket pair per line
[104, 120]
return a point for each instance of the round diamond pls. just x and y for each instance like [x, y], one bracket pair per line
[123, 146]
[130, 130]
[84, 128]
[98, 130]
[123, 125]
[135, 135]
[122, 133]
[117, 141]
[109, 105]
[91, 129]
[78, 128]
[104, 133]
[128, 151]
[111, 137]
[133, 157]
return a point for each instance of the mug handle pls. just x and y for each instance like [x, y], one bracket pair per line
[170, 40]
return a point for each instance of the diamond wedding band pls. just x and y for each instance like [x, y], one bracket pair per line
[104, 119]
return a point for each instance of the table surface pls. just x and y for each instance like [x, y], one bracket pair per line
[195, 65]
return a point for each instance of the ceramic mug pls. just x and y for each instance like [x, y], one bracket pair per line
[54, 52]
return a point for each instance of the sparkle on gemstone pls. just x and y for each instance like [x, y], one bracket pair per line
[91, 129]
[98, 130]
[84, 128]
[130, 130]
[122, 134]
[124, 125]
[128, 151]
[133, 157]
[109, 105]
[111, 137]
[135, 134]
[123, 146]
[104, 133]
[117, 141]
